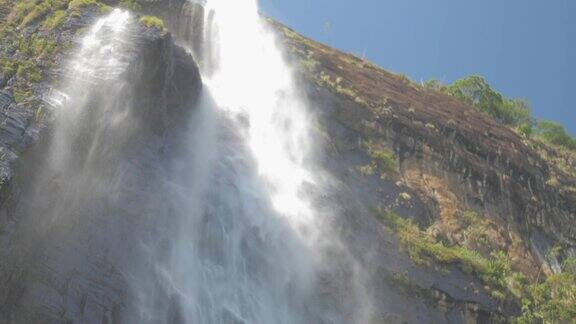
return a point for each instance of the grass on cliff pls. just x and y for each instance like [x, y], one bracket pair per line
[154, 22]
[550, 301]
[382, 161]
[27, 12]
[55, 20]
[44, 16]
[24, 53]
[24, 65]
[424, 249]
[50, 12]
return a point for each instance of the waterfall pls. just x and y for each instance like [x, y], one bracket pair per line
[74, 200]
[93, 111]
[216, 223]
[248, 247]
[249, 81]
[241, 253]
[92, 126]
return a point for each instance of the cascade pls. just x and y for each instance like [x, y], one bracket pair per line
[246, 246]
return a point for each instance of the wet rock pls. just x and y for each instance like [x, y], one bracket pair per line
[74, 271]
[166, 80]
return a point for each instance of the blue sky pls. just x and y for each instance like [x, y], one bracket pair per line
[524, 48]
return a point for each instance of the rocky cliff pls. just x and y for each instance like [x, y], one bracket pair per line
[65, 258]
[484, 203]
[465, 179]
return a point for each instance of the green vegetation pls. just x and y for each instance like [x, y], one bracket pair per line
[35, 46]
[424, 249]
[476, 230]
[554, 133]
[405, 79]
[75, 6]
[22, 53]
[551, 301]
[24, 65]
[368, 170]
[28, 49]
[27, 12]
[78, 4]
[55, 20]
[29, 71]
[525, 130]
[336, 85]
[20, 10]
[151, 21]
[21, 95]
[476, 91]
[8, 67]
[382, 161]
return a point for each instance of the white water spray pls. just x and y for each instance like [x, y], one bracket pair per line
[251, 82]
[244, 251]
[237, 239]
[240, 254]
[94, 95]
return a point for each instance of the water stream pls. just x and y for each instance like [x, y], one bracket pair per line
[250, 248]
[236, 236]
[244, 241]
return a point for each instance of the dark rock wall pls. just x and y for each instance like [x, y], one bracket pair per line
[402, 291]
[66, 260]
[486, 165]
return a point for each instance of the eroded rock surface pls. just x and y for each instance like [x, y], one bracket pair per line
[69, 240]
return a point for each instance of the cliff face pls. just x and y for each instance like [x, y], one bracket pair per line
[68, 241]
[496, 170]
[425, 155]
[389, 146]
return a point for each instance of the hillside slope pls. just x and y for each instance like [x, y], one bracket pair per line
[507, 171]
[483, 187]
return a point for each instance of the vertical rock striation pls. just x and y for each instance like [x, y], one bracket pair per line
[68, 260]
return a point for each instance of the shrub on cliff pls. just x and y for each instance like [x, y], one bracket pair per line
[551, 300]
[476, 91]
[151, 21]
[555, 133]
[55, 20]
[27, 12]
[423, 249]
[381, 160]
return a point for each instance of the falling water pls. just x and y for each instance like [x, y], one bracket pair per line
[244, 250]
[252, 83]
[76, 192]
[241, 253]
[227, 231]
[92, 127]
[93, 109]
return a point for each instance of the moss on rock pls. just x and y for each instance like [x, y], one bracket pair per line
[153, 22]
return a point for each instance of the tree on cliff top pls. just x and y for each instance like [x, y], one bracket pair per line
[476, 91]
